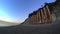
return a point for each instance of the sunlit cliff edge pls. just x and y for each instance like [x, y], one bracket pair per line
[54, 9]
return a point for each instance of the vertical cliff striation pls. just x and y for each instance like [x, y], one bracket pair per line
[45, 15]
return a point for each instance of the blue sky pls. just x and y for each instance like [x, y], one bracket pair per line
[19, 9]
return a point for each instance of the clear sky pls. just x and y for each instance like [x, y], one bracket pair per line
[18, 10]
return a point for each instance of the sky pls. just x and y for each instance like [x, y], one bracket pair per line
[18, 10]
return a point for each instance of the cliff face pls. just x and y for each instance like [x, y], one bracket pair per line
[45, 15]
